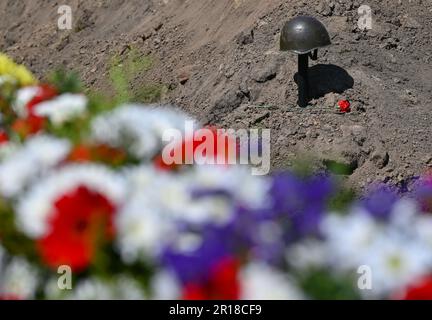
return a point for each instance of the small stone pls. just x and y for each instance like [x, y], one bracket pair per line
[229, 72]
[380, 157]
[244, 88]
[266, 72]
[324, 9]
[183, 74]
[245, 37]
[330, 100]
[260, 117]
[411, 23]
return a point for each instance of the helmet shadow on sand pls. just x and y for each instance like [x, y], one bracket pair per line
[327, 78]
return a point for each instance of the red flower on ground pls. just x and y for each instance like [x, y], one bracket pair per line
[421, 290]
[82, 221]
[222, 284]
[223, 145]
[344, 106]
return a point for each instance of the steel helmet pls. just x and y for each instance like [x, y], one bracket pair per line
[303, 34]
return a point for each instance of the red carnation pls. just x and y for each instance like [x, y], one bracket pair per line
[344, 106]
[81, 222]
[222, 284]
[421, 290]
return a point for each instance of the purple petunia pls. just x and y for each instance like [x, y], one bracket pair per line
[380, 200]
[302, 200]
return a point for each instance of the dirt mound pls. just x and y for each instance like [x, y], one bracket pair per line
[220, 62]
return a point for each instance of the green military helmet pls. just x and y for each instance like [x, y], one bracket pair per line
[303, 34]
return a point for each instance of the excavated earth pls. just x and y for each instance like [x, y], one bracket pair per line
[221, 62]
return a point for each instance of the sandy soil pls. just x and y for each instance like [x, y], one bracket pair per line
[222, 64]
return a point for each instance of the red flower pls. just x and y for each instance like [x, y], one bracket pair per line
[421, 290]
[45, 92]
[28, 126]
[344, 106]
[221, 147]
[222, 284]
[3, 137]
[32, 124]
[81, 222]
[97, 153]
[80, 153]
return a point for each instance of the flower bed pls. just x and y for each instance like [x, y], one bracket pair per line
[82, 185]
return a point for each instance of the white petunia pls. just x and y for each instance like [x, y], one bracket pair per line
[33, 159]
[308, 254]
[395, 262]
[423, 229]
[404, 214]
[62, 108]
[35, 206]
[141, 127]
[247, 189]
[19, 279]
[259, 281]
[22, 98]
[349, 237]
[120, 288]
[142, 229]
[165, 286]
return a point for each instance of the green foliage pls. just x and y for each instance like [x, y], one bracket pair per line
[122, 72]
[150, 93]
[339, 168]
[13, 240]
[321, 284]
[66, 82]
[342, 199]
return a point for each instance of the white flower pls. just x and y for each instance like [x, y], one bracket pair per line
[423, 229]
[92, 289]
[142, 229]
[249, 190]
[349, 237]
[395, 262]
[120, 288]
[35, 206]
[164, 286]
[172, 194]
[62, 108]
[7, 149]
[23, 97]
[141, 127]
[33, 159]
[308, 254]
[19, 279]
[259, 281]
[404, 214]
